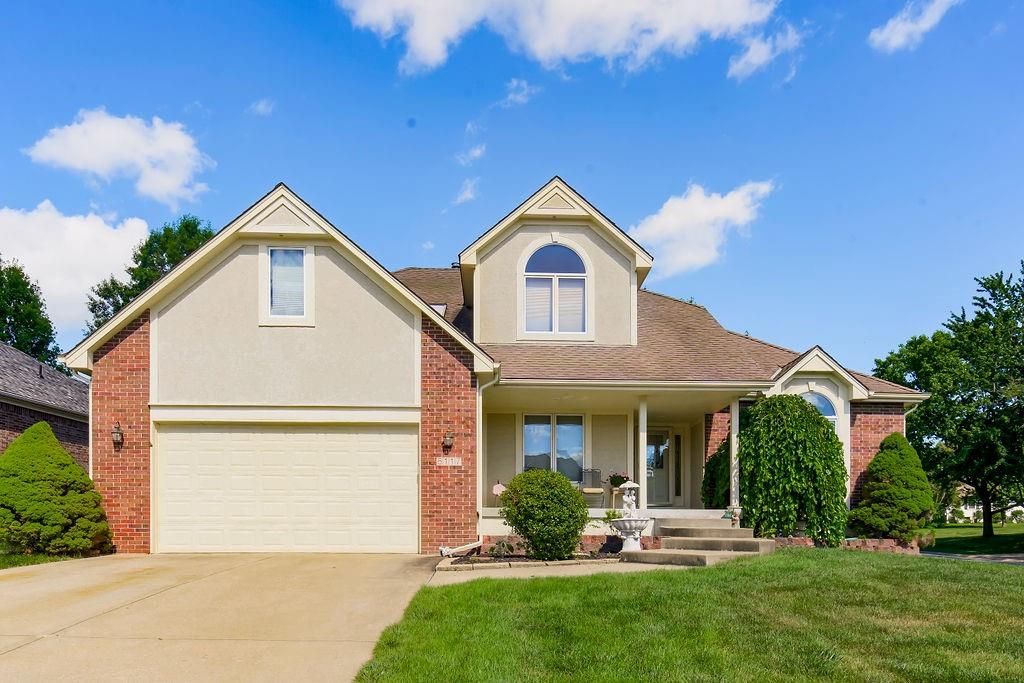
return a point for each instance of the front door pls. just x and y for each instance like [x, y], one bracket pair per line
[658, 457]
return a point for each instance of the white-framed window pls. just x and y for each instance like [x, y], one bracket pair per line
[555, 292]
[824, 406]
[286, 285]
[554, 442]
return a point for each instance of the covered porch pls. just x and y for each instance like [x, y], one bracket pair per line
[656, 435]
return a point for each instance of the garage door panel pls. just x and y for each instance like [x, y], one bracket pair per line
[261, 488]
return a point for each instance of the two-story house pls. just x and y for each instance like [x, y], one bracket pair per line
[281, 390]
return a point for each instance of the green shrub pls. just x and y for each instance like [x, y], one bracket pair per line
[714, 490]
[792, 470]
[47, 501]
[896, 499]
[547, 511]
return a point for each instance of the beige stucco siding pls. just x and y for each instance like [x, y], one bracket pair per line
[610, 443]
[499, 453]
[210, 349]
[499, 287]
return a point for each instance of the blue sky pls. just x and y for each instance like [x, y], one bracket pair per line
[807, 180]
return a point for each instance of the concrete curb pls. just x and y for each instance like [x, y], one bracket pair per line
[447, 564]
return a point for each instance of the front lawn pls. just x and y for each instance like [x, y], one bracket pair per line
[795, 614]
[966, 538]
[8, 560]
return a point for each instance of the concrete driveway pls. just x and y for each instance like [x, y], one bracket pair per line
[202, 617]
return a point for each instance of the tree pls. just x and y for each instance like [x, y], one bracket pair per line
[792, 470]
[47, 501]
[153, 258]
[23, 320]
[971, 430]
[896, 497]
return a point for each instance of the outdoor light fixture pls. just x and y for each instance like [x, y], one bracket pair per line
[116, 435]
[448, 441]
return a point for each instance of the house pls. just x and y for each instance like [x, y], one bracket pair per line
[32, 392]
[280, 390]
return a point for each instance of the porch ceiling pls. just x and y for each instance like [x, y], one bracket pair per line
[663, 404]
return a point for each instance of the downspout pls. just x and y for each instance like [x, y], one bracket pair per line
[445, 551]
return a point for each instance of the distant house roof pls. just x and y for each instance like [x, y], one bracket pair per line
[676, 341]
[23, 378]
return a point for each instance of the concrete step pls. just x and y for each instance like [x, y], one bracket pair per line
[750, 545]
[715, 522]
[689, 558]
[703, 532]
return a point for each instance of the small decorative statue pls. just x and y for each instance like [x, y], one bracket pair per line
[630, 526]
[629, 501]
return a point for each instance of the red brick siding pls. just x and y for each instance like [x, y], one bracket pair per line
[716, 430]
[120, 393]
[448, 514]
[869, 424]
[72, 434]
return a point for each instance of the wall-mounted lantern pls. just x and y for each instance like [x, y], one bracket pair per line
[448, 441]
[116, 435]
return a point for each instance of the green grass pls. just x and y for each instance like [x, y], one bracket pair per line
[8, 560]
[966, 538]
[799, 614]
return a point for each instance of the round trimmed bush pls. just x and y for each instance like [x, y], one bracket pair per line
[47, 501]
[792, 471]
[896, 499]
[547, 511]
[714, 489]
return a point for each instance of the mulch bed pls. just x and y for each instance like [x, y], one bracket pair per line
[487, 559]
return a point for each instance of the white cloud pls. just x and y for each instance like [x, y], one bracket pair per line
[263, 107]
[467, 192]
[761, 50]
[161, 156]
[906, 30]
[68, 254]
[427, 246]
[474, 127]
[557, 31]
[688, 231]
[472, 154]
[517, 92]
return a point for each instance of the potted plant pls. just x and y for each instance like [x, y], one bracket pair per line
[617, 479]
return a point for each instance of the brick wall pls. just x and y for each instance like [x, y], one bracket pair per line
[120, 393]
[716, 430]
[448, 514]
[869, 424]
[72, 434]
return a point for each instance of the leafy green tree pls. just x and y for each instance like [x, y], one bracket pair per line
[714, 489]
[896, 497]
[23, 320]
[792, 470]
[153, 258]
[971, 430]
[47, 501]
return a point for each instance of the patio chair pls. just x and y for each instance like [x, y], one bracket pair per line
[592, 484]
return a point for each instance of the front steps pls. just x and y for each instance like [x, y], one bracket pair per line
[700, 543]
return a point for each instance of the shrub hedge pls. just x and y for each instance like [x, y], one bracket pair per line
[547, 511]
[47, 502]
[896, 498]
[714, 489]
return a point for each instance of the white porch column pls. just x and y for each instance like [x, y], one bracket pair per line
[734, 463]
[641, 474]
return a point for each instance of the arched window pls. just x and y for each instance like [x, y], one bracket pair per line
[824, 406]
[555, 291]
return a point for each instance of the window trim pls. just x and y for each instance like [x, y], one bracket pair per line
[834, 418]
[588, 293]
[308, 319]
[553, 446]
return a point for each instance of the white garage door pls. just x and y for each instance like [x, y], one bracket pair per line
[307, 489]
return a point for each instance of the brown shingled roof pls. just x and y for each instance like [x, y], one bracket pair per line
[676, 341]
[24, 378]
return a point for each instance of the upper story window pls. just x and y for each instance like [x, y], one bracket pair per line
[287, 282]
[824, 406]
[556, 291]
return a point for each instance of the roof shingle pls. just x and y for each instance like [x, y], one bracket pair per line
[24, 378]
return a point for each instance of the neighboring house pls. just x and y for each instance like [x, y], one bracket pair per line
[32, 392]
[281, 390]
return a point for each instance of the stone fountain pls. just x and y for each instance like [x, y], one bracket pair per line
[629, 526]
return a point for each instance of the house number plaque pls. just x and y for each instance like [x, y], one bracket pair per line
[449, 461]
